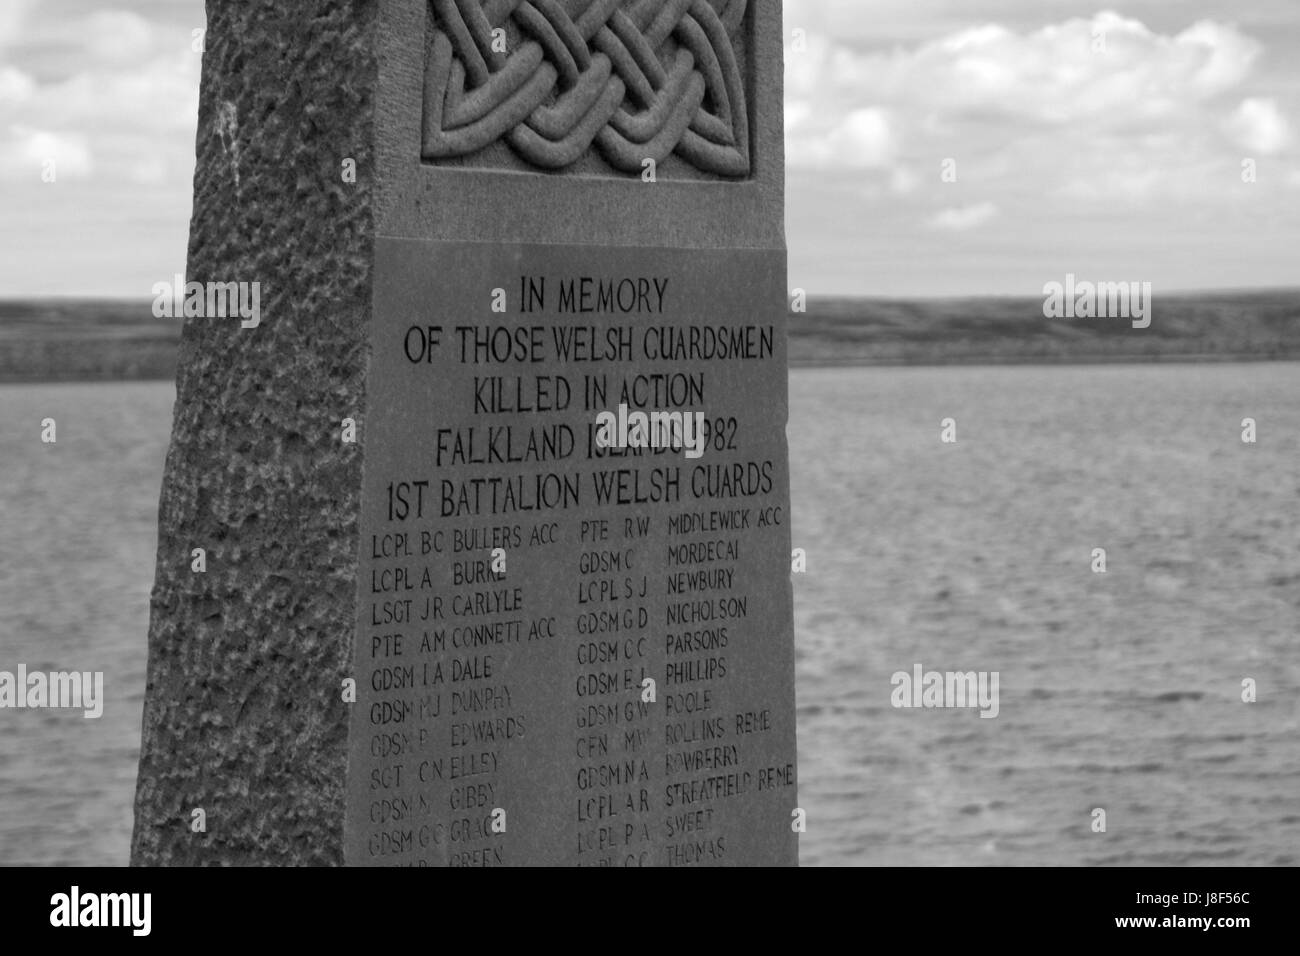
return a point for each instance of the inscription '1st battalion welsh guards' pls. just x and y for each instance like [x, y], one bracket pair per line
[574, 617]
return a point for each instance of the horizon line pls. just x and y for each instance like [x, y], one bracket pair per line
[936, 297]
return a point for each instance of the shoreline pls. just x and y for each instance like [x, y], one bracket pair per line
[108, 377]
[64, 341]
[1053, 360]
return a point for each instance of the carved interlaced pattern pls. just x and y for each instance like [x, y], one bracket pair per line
[638, 79]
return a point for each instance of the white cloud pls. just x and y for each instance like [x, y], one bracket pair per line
[1115, 152]
[124, 112]
[118, 36]
[1100, 108]
[16, 87]
[796, 111]
[865, 138]
[1121, 182]
[903, 180]
[962, 218]
[111, 96]
[1257, 125]
[29, 149]
[1051, 75]
[13, 13]
[1223, 57]
[155, 97]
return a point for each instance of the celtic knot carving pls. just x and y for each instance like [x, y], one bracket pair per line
[638, 79]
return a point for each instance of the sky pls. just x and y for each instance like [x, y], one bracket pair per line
[934, 147]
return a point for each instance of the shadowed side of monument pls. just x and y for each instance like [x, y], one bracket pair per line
[243, 752]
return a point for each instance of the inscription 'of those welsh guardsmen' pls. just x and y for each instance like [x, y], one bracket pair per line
[573, 643]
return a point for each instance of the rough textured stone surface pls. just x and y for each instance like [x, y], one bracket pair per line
[243, 716]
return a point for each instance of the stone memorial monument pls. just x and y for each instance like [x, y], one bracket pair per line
[474, 548]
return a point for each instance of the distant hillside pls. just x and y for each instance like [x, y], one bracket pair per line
[1216, 326]
[87, 340]
[48, 340]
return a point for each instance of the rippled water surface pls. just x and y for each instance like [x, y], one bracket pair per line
[1119, 691]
